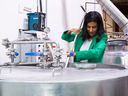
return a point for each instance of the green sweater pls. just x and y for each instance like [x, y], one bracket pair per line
[95, 52]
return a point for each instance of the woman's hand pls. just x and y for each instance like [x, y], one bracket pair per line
[75, 30]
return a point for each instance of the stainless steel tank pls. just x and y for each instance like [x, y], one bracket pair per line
[98, 80]
[116, 52]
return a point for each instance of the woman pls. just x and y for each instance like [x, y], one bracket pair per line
[91, 39]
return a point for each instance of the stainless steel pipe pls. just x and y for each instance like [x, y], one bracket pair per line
[115, 14]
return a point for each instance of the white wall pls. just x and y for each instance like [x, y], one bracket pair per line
[8, 23]
[13, 14]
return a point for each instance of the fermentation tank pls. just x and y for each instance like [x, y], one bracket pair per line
[116, 52]
[82, 80]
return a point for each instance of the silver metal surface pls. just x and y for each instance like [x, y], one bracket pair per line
[34, 81]
[116, 53]
[116, 57]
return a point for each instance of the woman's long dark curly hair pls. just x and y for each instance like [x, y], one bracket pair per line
[92, 16]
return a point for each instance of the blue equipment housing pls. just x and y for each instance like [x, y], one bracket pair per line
[36, 21]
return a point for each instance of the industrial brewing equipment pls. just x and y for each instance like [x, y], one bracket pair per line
[36, 69]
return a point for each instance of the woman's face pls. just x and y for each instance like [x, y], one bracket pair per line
[92, 28]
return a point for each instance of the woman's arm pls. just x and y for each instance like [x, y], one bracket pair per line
[95, 53]
[69, 35]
